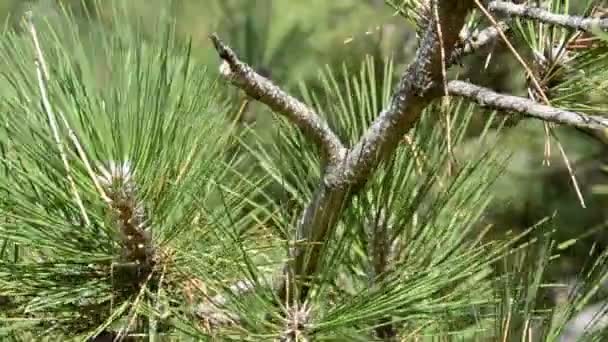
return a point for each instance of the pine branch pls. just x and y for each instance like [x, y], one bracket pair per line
[539, 14]
[489, 98]
[262, 89]
[417, 88]
[348, 171]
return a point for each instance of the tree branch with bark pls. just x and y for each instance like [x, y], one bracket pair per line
[418, 87]
[574, 22]
[261, 89]
[509, 103]
[348, 169]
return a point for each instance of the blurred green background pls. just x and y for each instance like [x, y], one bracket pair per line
[291, 41]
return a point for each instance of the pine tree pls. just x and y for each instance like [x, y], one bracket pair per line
[136, 206]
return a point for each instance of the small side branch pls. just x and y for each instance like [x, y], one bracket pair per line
[477, 41]
[489, 98]
[536, 13]
[261, 89]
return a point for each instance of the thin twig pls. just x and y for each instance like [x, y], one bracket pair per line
[521, 61]
[261, 89]
[84, 158]
[444, 73]
[577, 189]
[489, 98]
[42, 75]
[574, 22]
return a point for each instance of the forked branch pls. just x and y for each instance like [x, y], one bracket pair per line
[350, 169]
[421, 84]
[418, 87]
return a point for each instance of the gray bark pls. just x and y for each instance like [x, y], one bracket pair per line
[489, 98]
[539, 14]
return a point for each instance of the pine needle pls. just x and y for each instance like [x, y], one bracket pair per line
[548, 130]
[43, 74]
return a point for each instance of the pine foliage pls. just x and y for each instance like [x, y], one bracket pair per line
[134, 205]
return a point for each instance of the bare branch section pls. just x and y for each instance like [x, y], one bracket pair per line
[536, 13]
[263, 90]
[489, 98]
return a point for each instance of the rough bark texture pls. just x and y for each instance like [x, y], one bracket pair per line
[539, 14]
[417, 88]
[489, 98]
[261, 89]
